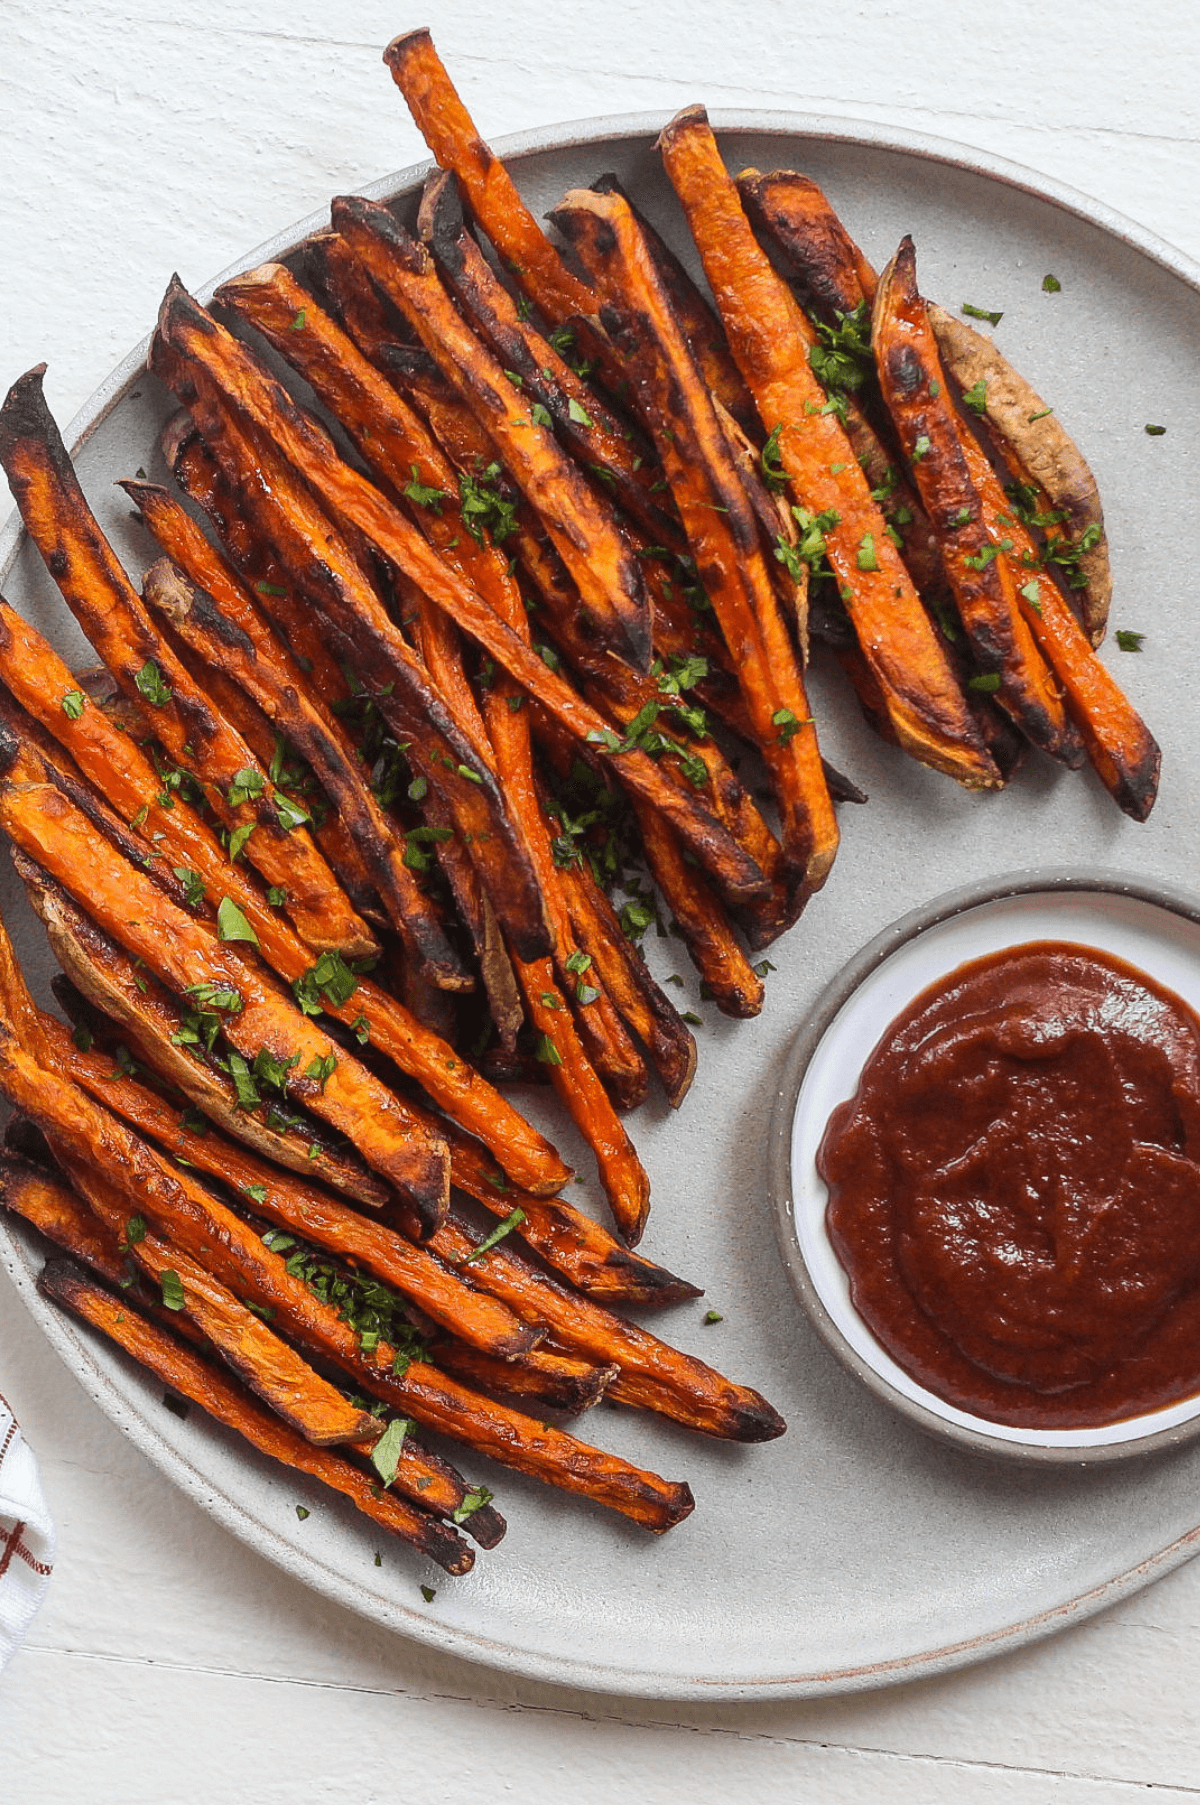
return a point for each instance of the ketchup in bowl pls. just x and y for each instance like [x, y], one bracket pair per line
[1014, 1189]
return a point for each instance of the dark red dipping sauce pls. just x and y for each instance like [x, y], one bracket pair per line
[1014, 1191]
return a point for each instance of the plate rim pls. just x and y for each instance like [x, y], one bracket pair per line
[587, 1676]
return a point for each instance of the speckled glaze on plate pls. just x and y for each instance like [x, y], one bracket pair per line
[855, 1551]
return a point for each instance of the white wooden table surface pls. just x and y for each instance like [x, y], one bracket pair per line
[169, 1663]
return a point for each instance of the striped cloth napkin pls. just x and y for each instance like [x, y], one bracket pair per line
[26, 1536]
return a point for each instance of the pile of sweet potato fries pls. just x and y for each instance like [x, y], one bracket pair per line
[500, 615]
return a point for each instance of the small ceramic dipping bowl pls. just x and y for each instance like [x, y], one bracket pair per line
[1150, 926]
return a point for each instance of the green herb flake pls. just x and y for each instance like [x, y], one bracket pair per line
[238, 838]
[423, 495]
[578, 413]
[73, 704]
[547, 1052]
[244, 785]
[429, 1593]
[139, 820]
[1043, 415]
[277, 896]
[265, 588]
[135, 1230]
[1129, 641]
[513, 1220]
[172, 1289]
[474, 1500]
[981, 313]
[579, 962]
[1155, 432]
[301, 1512]
[541, 415]
[692, 1019]
[713, 1316]
[193, 886]
[232, 923]
[976, 398]
[922, 448]
[256, 1193]
[385, 1455]
[321, 1070]
[1051, 285]
[865, 556]
[83, 1037]
[149, 682]
[1033, 595]
[987, 682]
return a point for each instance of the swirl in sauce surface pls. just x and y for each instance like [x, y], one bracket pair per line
[1014, 1189]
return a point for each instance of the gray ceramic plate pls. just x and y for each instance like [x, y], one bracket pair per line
[854, 1551]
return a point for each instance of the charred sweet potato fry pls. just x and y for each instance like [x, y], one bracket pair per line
[653, 1375]
[302, 1208]
[95, 587]
[796, 219]
[219, 621]
[700, 324]
[450, 133]
[598, 439]
[186, 953]
[915, 390]
[924, 700]
[1042, 453]
[708, 934]
[583, 529]
[717, 517]
[352, 498]
[560, 1380]
[89, 1142]
[195, 1378]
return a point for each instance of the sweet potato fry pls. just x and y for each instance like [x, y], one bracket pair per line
[598, 439]
[653, 1375]
[1042, 453]
[717, 517]
[915, 390]
[301, 1208]
[519, 1149]
[796, 219]
[95, 587]
[708, 935]
[583, 529]
[701, 327]
[449, 131]
[185, 953]
[924, 700]
[107, 986]
[88, 1141]
[351, 497]
[199, 476]
[194, 1378]
[560, 1380]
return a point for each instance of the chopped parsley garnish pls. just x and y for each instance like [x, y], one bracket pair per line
[245, 784]
[976, 398]
[578, 413]
[429, 1593]
[692, 1019]
[321, 1070]
[474, 1500]
[135, 1230]
[73, 704]
[843, 360]
[331, 977]
[986, 681]
[277, 896]
[1032, 594]
[301, 1512]
[1129, 641]
[546, 1051]
[981, 313]
[1051, 285]
[172, 1289]
[289, 814]
[1156, 432]
[865, 557]
[149, 682]
[713, 1316]
[193, 886]
[385, 1455]
[579, 962]
[483, 506]
[423, 495]
[245, 1089]
[297, 325]
[922, 448]
[773, 473]
[788, 725]
[256, 1193]
[83, 1037]
[511, 1221]
[232, 923]
[238, 838]
[541, 415]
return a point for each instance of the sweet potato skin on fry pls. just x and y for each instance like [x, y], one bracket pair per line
[1033, 439]
[914, 387]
